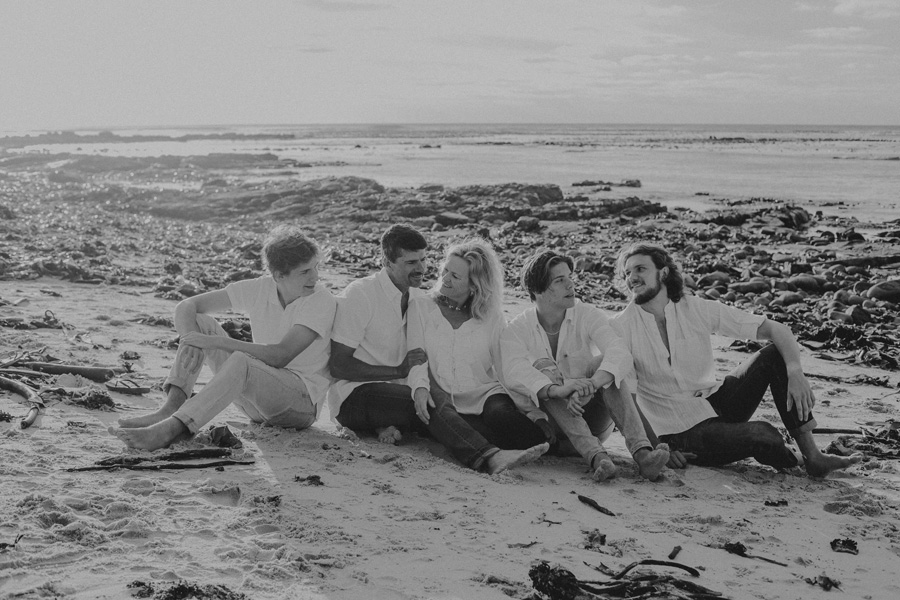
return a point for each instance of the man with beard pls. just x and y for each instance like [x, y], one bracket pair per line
[563, 366]
[705, 421]
[370, 361]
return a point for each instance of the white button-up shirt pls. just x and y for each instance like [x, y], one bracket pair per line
[369, 318]
[672, 385]
[270, 322]
[586, 342]
[462, 361]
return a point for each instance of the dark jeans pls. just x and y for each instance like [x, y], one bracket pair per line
[376, 405]
[732, 436]
[502, 424]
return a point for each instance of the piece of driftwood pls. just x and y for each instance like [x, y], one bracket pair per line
[99, 374]
[741, 550]
[31, 397]
[165, 466]
[593, 504]
[128, 459]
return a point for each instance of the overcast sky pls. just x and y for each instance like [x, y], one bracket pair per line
[98, 63]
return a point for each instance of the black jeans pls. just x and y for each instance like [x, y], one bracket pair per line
[375, 405]
[731, 436]
[502, 424]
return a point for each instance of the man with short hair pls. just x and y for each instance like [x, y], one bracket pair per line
[370, 361]
[561, 357]
[705, 421]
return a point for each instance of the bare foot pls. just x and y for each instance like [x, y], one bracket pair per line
[389, 435]
[162, 434]
[823, 464]
[174, 401]
[604, 469]
[651, 462]
[508, 459]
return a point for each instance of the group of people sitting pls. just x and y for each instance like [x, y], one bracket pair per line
[390, 358]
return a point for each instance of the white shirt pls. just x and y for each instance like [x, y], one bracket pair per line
[270, 322]
[369, 319]
[460, 360]
[586, 342]
[672, 387]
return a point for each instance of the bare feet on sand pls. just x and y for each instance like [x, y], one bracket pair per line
[651, 462]
[508, 459]
[823, 464]
[389, 435]
[603, 468]
[162, 434]
[174, 401]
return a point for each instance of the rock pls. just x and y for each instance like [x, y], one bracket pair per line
[714, 278]
[528, 223]
[859, 315]
[449, 219]
[788, 298]
[886, 290]
[807, 283]
[750, 287]
[837, 315]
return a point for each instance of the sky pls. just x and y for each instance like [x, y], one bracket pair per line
[84, 64]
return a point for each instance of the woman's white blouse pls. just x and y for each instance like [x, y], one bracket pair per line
[461, 361]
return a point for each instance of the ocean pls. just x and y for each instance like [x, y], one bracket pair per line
[850, 171]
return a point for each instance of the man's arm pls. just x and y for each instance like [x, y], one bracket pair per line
[799, 390]
[344, 365]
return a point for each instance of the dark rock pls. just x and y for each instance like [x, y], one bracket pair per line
[528, 223]
[750, 287]
[807, 283]
[450, 219]
[886, 290]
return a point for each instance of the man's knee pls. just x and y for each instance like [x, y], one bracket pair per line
[765, 433]
[239, 360]
[772, 357]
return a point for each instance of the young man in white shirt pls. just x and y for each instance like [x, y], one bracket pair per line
[370, 361]
[705, 421]
[561, 357]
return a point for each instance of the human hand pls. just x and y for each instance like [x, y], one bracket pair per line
[583, 388]
[547, 430]
[414, 357]
[678, 459]
[574, 405]
[422, 400]
[800, 393]
[190, 355]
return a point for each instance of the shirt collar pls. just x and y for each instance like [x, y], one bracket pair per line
[386, 284]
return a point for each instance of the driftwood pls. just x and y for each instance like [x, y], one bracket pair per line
[30, 396]
[165, 466]
[593, 504]
[125, 459]
[99, 374]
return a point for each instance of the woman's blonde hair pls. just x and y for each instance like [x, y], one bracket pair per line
[485, 275]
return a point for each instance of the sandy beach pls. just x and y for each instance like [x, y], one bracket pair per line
[94, 256]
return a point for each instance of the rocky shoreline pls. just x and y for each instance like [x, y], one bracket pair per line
[184, 225]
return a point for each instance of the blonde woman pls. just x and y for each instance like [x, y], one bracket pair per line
[458, 325]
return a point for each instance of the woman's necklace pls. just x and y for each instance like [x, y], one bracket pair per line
[445, 301]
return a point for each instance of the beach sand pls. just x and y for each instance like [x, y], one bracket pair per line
[398, 522]
[387, 522]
